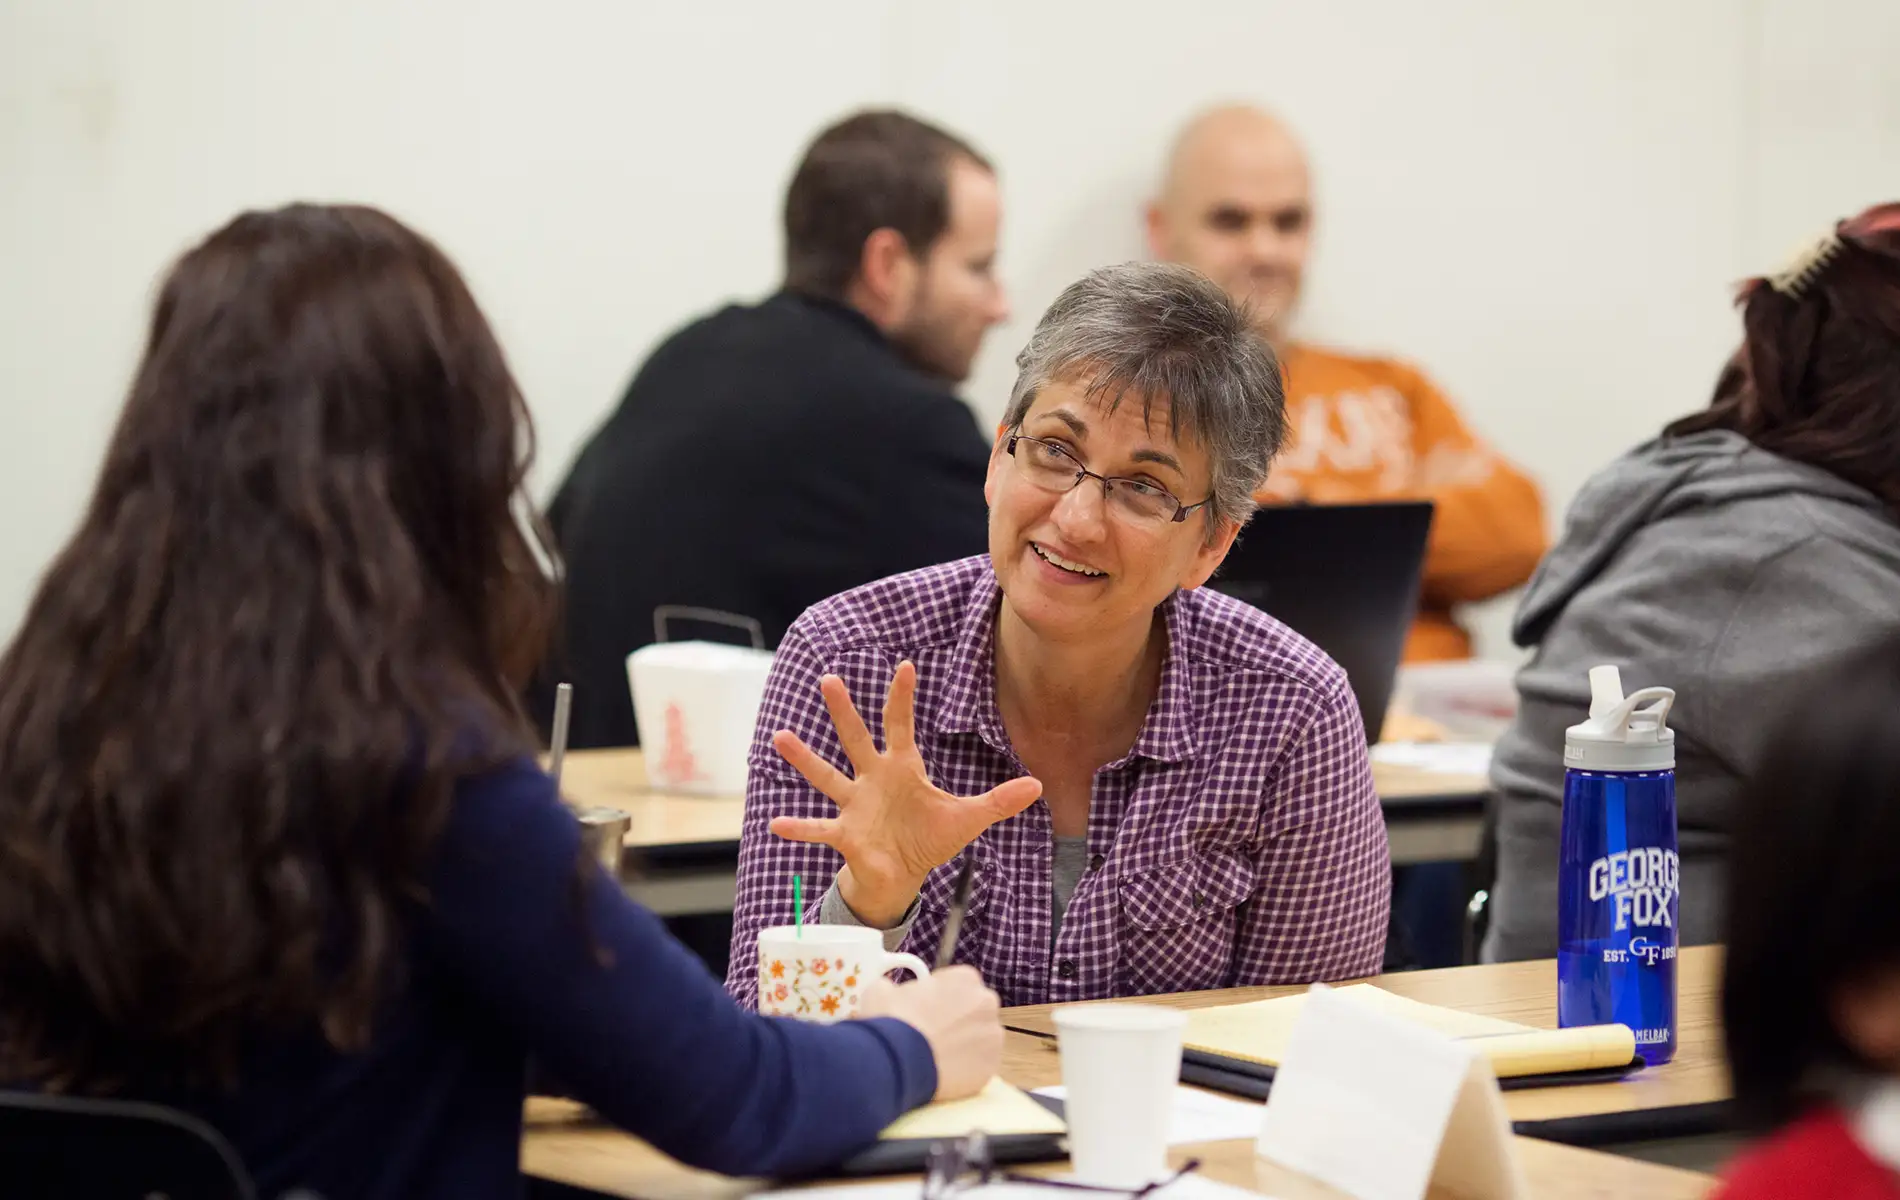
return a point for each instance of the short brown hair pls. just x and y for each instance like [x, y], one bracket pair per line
[1817, 378]
[880, 169]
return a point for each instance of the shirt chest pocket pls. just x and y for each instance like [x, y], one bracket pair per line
[934, 901]
[1178, 924]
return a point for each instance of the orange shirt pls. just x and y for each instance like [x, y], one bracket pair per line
[1367, 429]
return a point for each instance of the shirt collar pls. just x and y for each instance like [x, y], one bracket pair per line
[1876, 1123]
[970, 707]
[1167, 735]
[845, 314]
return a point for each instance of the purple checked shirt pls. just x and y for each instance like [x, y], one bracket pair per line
[1239, 842]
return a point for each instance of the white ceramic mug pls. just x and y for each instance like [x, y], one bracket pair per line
[818, 972]
[1120, 1063]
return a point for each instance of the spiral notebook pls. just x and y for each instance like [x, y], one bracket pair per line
[1235, 1047]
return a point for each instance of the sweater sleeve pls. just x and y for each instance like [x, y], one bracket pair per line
[628, 1019]
[1488, 525]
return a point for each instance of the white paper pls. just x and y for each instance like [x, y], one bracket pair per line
[1363, 1101]
[1188, 1187]
[1436, 758]
[1198, 1116]
[1478, 1158]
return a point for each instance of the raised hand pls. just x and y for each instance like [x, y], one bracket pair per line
[893, 825]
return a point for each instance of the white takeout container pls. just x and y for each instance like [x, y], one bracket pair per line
[695, 705]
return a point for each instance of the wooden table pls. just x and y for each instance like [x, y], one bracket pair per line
[618, 779]
[558, 1149]
[688, 845]
[1686, 1094]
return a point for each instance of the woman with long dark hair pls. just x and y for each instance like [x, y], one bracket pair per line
[275, 847]
[1732, 559]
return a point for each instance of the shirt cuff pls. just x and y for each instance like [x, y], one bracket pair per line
[832, 910]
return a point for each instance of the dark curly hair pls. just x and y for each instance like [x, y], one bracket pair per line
[300, 605]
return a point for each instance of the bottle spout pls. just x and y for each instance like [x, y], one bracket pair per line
[1606, 690]
[1623, 733]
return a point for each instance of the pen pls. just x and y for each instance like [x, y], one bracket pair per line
[959, 904]
[557, 744]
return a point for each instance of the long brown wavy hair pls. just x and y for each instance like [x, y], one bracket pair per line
[299, 607]
[1817, 378]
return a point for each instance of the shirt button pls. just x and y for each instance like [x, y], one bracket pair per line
[1200, 900]
[1095, 863]
[1066, 968]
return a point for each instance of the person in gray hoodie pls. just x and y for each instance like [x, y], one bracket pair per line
[1735, 559]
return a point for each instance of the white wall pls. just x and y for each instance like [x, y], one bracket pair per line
[1543, 204]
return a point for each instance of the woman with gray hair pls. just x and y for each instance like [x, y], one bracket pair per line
[1158, 788]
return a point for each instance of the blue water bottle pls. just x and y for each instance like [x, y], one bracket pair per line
[1617, 870]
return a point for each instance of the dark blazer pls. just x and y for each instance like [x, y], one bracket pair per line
[764, 458]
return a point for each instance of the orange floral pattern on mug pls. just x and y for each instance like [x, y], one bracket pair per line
[815, 989]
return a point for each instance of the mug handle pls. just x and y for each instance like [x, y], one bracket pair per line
[908, 962]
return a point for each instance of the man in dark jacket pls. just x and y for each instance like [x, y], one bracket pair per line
[768, 456]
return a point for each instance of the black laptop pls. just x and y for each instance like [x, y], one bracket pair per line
[1345, 576]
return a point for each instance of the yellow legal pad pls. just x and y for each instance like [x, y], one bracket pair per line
[997, 1109]
[1258, 1032]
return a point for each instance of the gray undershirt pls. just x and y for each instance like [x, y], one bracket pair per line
[1071, 863]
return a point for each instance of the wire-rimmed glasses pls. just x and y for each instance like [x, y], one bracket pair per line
[959, 1165]
[1053, 467]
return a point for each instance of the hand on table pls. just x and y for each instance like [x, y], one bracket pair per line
[957, 1014]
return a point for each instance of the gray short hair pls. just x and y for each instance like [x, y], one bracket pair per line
[1167, 333]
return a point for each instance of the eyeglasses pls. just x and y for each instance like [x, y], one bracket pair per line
[954, 1167]
[1051, 467]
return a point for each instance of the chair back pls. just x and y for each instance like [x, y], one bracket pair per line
[112, 1149]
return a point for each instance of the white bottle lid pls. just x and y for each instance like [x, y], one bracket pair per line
[1621, 734]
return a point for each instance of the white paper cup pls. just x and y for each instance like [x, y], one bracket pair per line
[1120, 1065]
[818, 973]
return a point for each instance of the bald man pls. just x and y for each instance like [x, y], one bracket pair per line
[1237, 204]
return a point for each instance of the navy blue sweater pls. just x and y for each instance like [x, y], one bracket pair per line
[499, 966]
